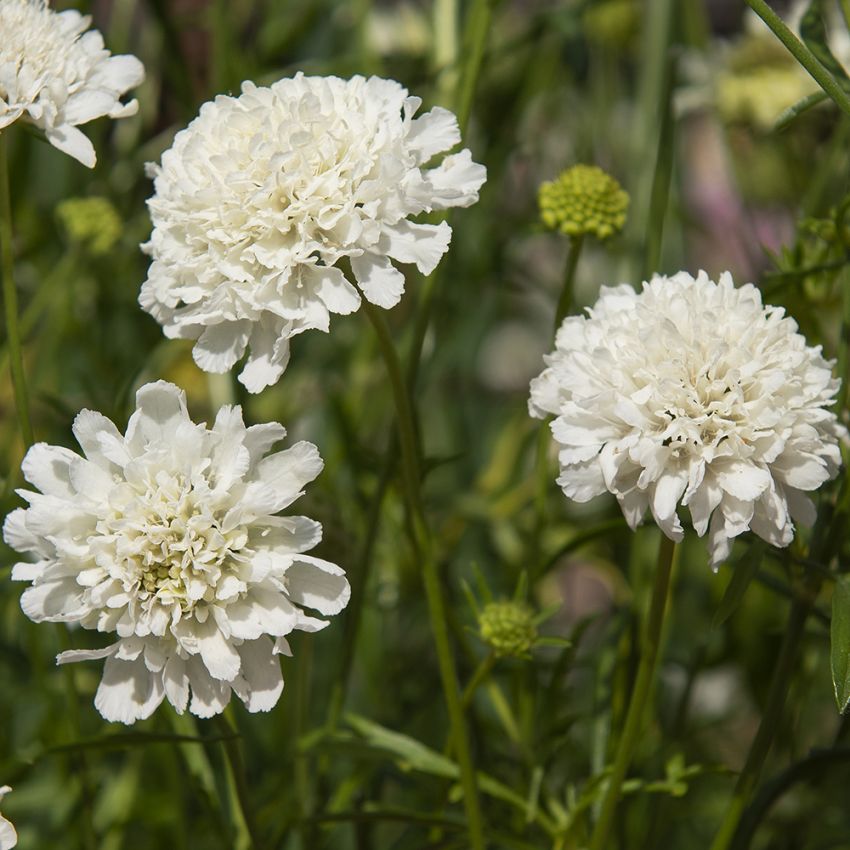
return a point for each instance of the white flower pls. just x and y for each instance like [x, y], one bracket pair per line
[8, 836]
[262, 195]
[55, 75]
[692, 391]
[170, 537]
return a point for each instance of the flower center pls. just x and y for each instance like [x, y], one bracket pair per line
[166, 544]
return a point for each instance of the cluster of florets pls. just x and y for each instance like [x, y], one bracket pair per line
[584, 201]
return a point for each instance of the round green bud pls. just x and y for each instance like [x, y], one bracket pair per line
[508, 628]
[91, 222]
[582, 201]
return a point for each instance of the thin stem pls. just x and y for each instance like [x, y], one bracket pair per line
[802, 54]
[643, 684]
[359, 583]
[233, 752]
[10, 297]
[423, 546]
[779, 685]
[475, 42]
[79, 759]
[565, 302]
[481, 673]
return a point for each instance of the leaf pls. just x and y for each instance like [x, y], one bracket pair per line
[798, 108]
[410, 753]
[840, 642]
[743, 572]
[813, 33]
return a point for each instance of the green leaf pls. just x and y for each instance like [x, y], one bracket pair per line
[813, 33]
[410, 753]
[840, 642]
[743, 572]
[798, 108]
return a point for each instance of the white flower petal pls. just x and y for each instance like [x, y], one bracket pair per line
[433, 132]
[221, 345]
[422, 244]
[382, 283]
[317, 584]
[261, 682]
[128, 691]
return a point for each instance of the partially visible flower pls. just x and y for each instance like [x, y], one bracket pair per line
[170, 536]
[56, 76]
[692, 392]
[262, 196]
[91, 222]
[8, 836]
[508, 628]
[584, 200]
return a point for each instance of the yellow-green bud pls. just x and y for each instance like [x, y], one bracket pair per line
[508, 627]
[91, 222]
[584, 200]
[612, 23]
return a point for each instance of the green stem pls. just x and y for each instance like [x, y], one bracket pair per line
[640, 693]
[423, 546]
[236, 763]
[802, 54]
[566, 299]
[475, 42]
[10, 297]
[481, 673]
[80, 759]
[779, 685]
[359, 580]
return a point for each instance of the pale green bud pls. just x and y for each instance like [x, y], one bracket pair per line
[582, 201]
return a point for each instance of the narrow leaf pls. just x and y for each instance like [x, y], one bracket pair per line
[813, 34]
[743, 572]
[840, 642]
[801, 106]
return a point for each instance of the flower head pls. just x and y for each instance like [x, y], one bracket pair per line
[584, 200]
[8, 836]
[692, 392]
[261, 197]
[55, 75]
[508, 628]
[170, 536]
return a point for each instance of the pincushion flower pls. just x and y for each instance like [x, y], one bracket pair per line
[170, 537]
[692, 392]
[8, 836]
[56, 76]
[262, 195]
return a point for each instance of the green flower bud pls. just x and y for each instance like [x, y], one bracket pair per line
[612, 23]
[91, 222]
[508, 628]
[584, 200]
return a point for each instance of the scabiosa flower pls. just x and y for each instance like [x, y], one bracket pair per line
[8, 836]
[55, 75]
[692, 392]
[583, 201]
[170, 536]
[261, 197]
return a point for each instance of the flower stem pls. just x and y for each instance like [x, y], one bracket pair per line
[566, 299]
[230, 743]
[475, 41]
[423, 546]
[802, 54]
[643, 683]
[782, 674]
[10, 297]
